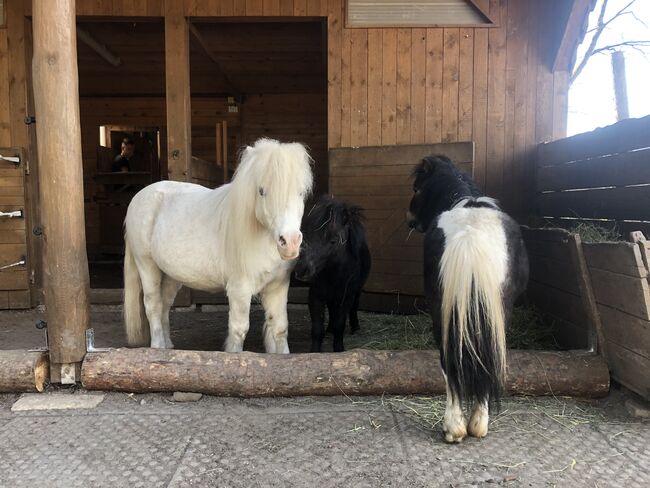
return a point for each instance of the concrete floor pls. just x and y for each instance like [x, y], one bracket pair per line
[150, 441]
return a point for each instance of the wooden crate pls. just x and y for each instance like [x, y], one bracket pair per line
[619, 275]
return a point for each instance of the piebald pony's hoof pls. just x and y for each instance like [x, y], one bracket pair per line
[478, 424]
[455, 431]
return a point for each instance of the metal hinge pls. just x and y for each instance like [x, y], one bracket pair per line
[14, 214]
[22, 262]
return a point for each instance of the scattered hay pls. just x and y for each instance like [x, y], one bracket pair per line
[527, 330]
[591, 233]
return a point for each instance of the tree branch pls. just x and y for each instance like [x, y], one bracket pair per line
[600, 27]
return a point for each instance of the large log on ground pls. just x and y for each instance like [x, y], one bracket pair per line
[357, 372]
[23, 371]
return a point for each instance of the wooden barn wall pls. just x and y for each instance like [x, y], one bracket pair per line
[385, 86]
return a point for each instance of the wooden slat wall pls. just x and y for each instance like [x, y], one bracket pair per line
[602, 175]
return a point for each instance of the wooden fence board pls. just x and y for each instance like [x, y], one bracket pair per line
[621, 137]
[625, 293]
[554, 273]
[625, 330]
[629, 203]
[617, 257]
[629, 168]
[630, 369]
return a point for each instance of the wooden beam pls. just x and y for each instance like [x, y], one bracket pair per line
[572, 34]
[66, 281]
[358, 372]
[177, 76]
[98, 47]
[23, 371]
[227, 81]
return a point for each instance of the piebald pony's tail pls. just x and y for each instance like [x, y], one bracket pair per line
[471, 274]
[135, 320]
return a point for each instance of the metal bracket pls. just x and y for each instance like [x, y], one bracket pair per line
[90, 342]
[14, 214]
[30, 119]
[11, 159]
[41, 324]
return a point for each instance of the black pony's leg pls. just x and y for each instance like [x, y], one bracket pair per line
[338, 314]
[354, 319]
[317, 313]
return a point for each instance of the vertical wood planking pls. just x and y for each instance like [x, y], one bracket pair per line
[480, 103]
[375, 69]
[531, 96]
[496, 100]
[345, 88]
[450, 64]
[389, 88]
[314, 8]
[5, 119]
[544, 99]
[560, 103]
[334, 47]
[403, 110]
[433, 96]
[359, 87]
[228, 8]
[271, 8]
[513, 48]
[239, 8]
[418, 84]
[254, 8]
[286, 8]
[300, 7]
[465, 84]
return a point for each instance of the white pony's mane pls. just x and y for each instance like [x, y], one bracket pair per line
[283, 171]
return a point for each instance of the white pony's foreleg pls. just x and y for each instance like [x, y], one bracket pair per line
[169, 290]
[151, 278]
[478, 421]
[239, 302]
[453, 424]
[276, 323]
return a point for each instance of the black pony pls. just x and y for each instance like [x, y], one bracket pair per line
[475, 266]
[335, 261]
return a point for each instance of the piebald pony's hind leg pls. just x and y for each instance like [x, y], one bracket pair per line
[478, 421]
[239, 306]
[151, 278]
[276, 323]
[169, 291]
[454, 425]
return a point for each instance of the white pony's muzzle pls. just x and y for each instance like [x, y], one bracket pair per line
[289, 245]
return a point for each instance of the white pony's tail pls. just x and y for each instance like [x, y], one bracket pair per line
[472, 270]
[135, 320]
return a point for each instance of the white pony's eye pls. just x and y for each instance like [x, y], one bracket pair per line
[261, 191]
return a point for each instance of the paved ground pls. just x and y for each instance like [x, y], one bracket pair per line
[149, 441]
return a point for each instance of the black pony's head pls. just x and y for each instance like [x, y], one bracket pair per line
[331, 230]
[437, 185]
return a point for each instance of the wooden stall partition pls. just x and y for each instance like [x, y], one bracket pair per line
[601, 176]
[378, 180]
[619, 274]
[559, 286]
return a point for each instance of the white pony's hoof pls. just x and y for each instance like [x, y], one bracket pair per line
[478, 422]
[454, 430]
[158, 344]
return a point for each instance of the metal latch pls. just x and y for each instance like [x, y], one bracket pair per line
[22, 262]
[13, 214]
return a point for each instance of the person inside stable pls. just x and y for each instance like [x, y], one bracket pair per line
[121, 161]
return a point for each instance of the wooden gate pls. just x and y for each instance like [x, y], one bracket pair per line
[14, 279]
[378, 180]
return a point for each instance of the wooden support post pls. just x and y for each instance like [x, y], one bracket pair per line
[56, 99]
[358, 372]
[23, 371]
[177, 75]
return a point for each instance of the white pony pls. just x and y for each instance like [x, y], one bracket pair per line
[240, 237]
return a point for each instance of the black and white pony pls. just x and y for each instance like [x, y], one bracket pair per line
[335, 261]
[475, 266]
